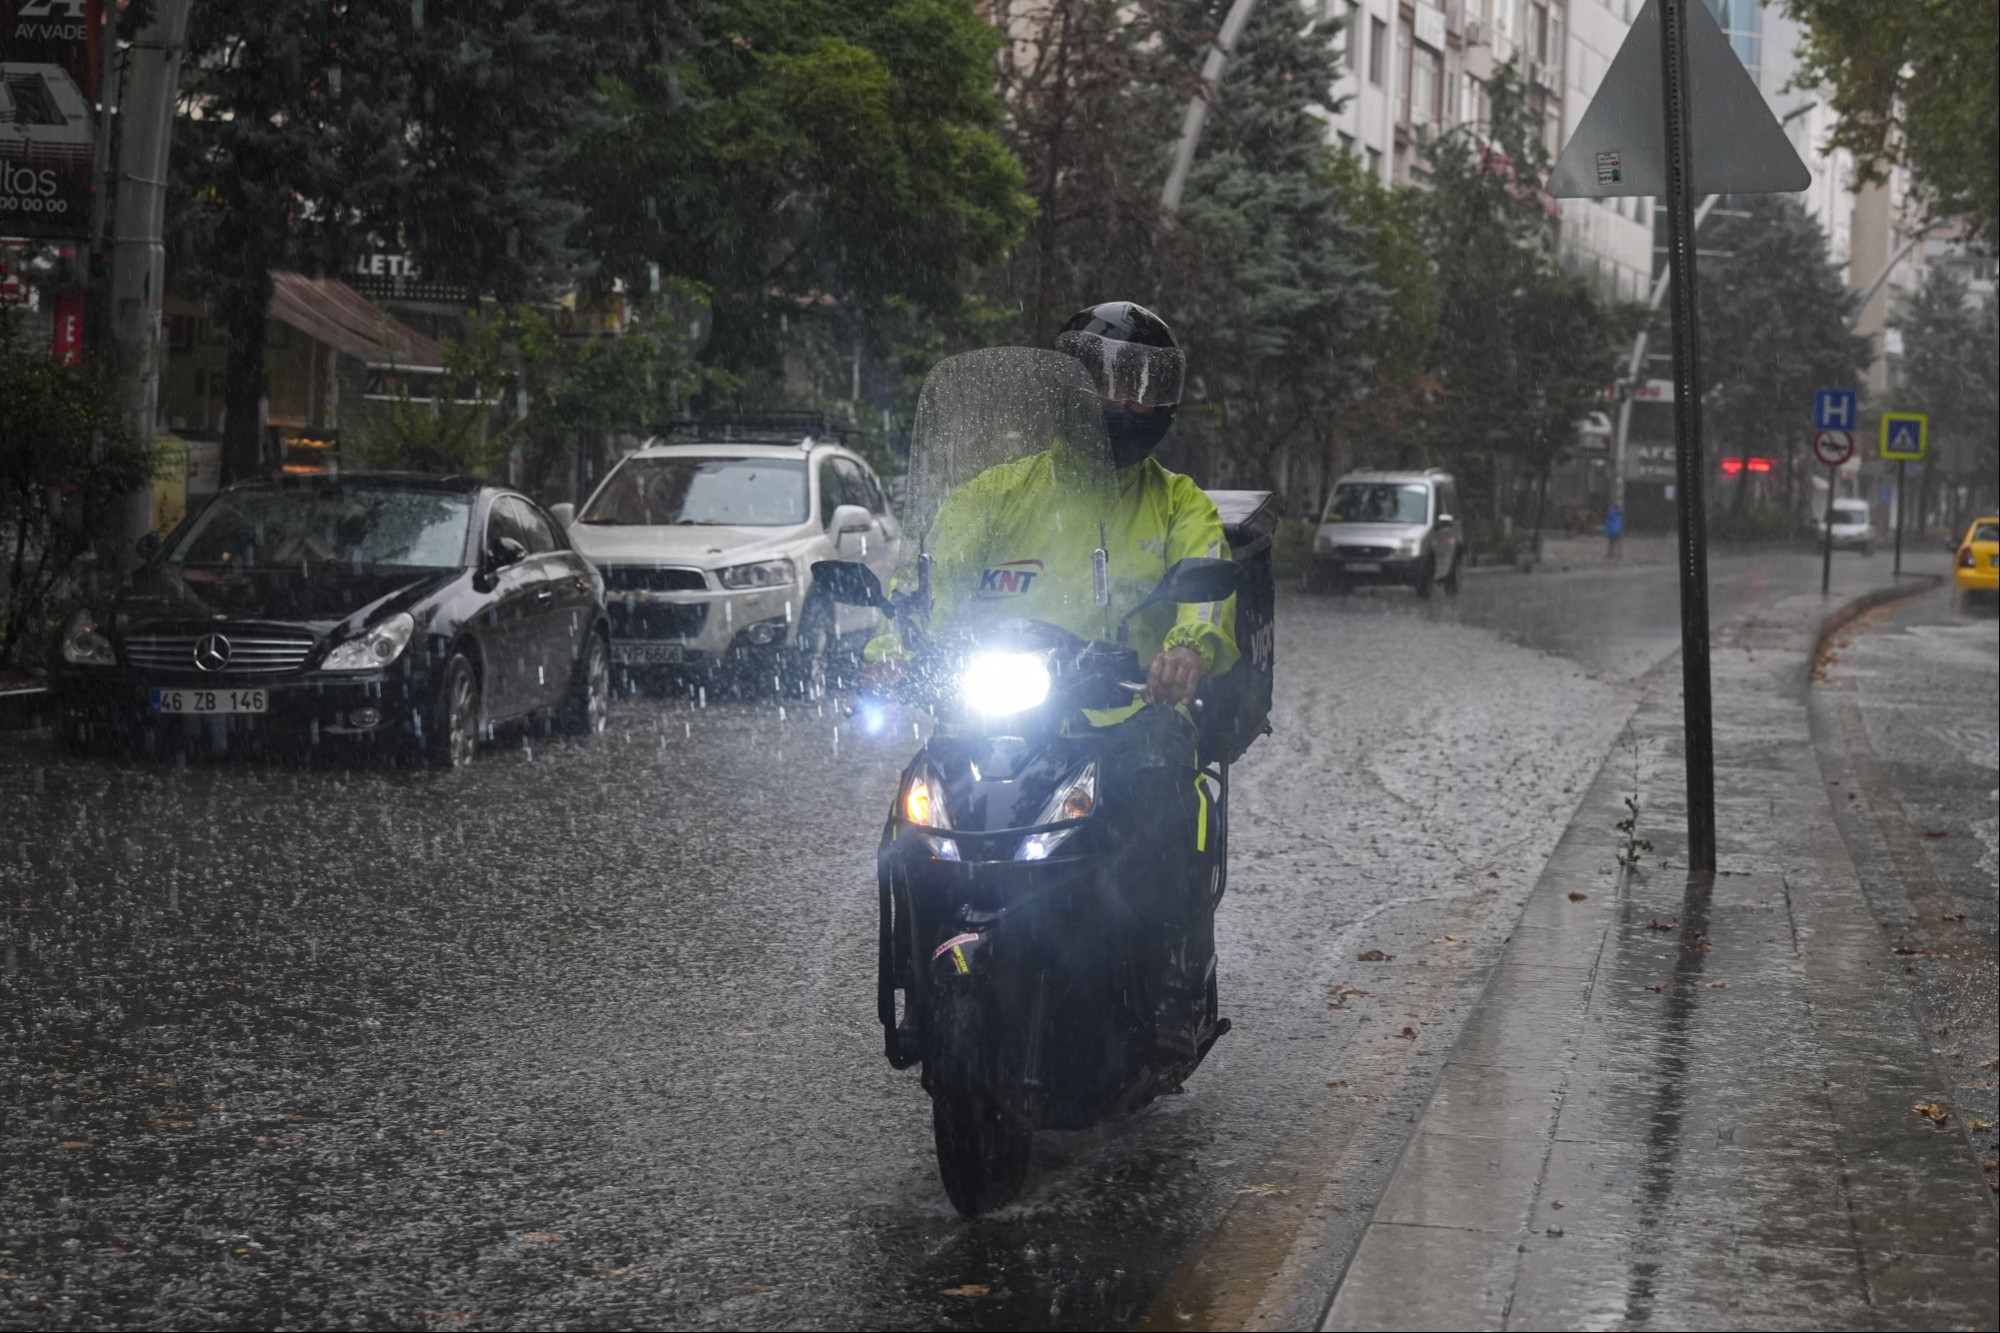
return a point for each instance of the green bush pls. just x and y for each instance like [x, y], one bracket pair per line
[67, 458]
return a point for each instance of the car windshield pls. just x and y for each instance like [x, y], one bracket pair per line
[1849, 512]
[712, 492]
[357, 525]
[1379, 502]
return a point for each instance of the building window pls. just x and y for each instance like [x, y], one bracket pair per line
[1405, 42]
[1375, 163]
[1425, 85]
[1378, 55]
[1346, 142]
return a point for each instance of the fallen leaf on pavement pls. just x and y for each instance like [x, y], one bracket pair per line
[1338, 1083]
[1264, 1190]
[1372, 956]
[1555, 1231]
[1953, 916]
[541, 1237]
[1914, 951]
[1337, 1008]
[1662, 989]
[1701, 943]
[754, 1288]
[1345, 989]
[1555, 1203]
[76, 1143]
[1990, 1163]
[1446, 939]
[1933, 833]
[1664, 925]
[1936, 1114]
[1718, 985]
[1979, 1124]
[969, 1289]
[1993, 1063]
[1408, 1034]
[1578, 897]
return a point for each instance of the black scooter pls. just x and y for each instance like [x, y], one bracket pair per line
[1014, 953]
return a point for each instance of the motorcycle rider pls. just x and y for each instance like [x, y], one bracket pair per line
[1016, 540]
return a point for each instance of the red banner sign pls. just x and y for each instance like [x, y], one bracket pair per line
[67, 340]
[50, 59]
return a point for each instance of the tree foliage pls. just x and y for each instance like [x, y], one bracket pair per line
[1775, 325]
[1950, 370]
[67, 458]
[1915, 82]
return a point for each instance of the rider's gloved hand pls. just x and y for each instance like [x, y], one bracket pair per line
[1174, 676]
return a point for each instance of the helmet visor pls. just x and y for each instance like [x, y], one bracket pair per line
[1128, 372]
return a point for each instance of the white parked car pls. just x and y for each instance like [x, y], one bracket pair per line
[707, 548]
[1851, 528]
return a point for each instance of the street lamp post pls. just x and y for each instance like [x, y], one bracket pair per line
[1197, 111]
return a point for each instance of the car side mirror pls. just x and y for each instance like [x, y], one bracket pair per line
[504, 551]
[564, 514]
[149, 545]
[850, 582]
[849, 518]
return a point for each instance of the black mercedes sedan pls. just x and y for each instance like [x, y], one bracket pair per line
[409, 610]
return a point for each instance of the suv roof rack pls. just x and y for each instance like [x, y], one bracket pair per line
[756, 428]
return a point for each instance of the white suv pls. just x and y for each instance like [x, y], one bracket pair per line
[707, 549]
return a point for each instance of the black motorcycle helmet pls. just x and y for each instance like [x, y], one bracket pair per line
[1138, 369]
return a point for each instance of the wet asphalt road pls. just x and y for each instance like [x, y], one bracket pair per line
[1907, 720]
[584, 1036]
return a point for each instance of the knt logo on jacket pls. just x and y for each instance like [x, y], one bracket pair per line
[1011, 579]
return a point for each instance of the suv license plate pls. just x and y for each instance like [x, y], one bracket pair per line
[648, 654]
[209, 701]
[1363, 567]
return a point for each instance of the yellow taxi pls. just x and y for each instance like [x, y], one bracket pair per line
[1977, 566]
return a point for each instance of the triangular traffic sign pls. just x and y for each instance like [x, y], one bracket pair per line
[1904, 438]
[1620, 147]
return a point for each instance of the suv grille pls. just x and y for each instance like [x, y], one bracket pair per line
[647, 578]
[657, 621]
[1366, 552]
[250, 651]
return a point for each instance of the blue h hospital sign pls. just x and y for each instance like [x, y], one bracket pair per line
[1833, 409]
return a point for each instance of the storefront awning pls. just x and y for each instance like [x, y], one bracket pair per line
[335, 314]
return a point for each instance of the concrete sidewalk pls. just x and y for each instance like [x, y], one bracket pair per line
[1685, 1106]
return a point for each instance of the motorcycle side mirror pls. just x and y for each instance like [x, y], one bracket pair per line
[850, 583]
[1198, 578]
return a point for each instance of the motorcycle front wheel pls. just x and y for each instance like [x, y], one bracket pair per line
[982, 1146]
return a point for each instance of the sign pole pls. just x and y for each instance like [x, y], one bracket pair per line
[1826, 535]
[1696, 702]
[1902, 491]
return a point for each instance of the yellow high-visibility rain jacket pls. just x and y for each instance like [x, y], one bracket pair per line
[1015, 542]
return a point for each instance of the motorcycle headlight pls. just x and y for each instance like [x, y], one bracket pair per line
[84, 644]
[762, 574]
[377, 648]
[923, 801]
[999, 684]
[1073, 800]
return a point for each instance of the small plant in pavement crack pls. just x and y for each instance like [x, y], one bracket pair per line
[1628, 827]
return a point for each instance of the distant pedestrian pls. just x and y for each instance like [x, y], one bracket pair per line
[1614, 528]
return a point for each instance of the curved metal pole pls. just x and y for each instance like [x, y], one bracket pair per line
[1197, 112]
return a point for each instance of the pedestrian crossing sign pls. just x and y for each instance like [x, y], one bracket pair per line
[1905, 435]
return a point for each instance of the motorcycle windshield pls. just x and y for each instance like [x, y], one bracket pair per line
[1011, 486]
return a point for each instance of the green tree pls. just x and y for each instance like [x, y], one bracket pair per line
[1950, 370]
[1284, 312]
[1775, 315]
[1522, 350]
[807, 161]
[309, 131]
[1915, 82]
[67, 459]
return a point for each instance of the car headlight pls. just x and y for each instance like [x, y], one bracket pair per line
[1413, 546]
[84, 644]
[923, 800]
[999, 684]
[377, 648]
[762, 574]
[1075, 800]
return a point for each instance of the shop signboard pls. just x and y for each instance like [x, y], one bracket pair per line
[50, 62]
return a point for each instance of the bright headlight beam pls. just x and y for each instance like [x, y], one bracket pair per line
[998, 684]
